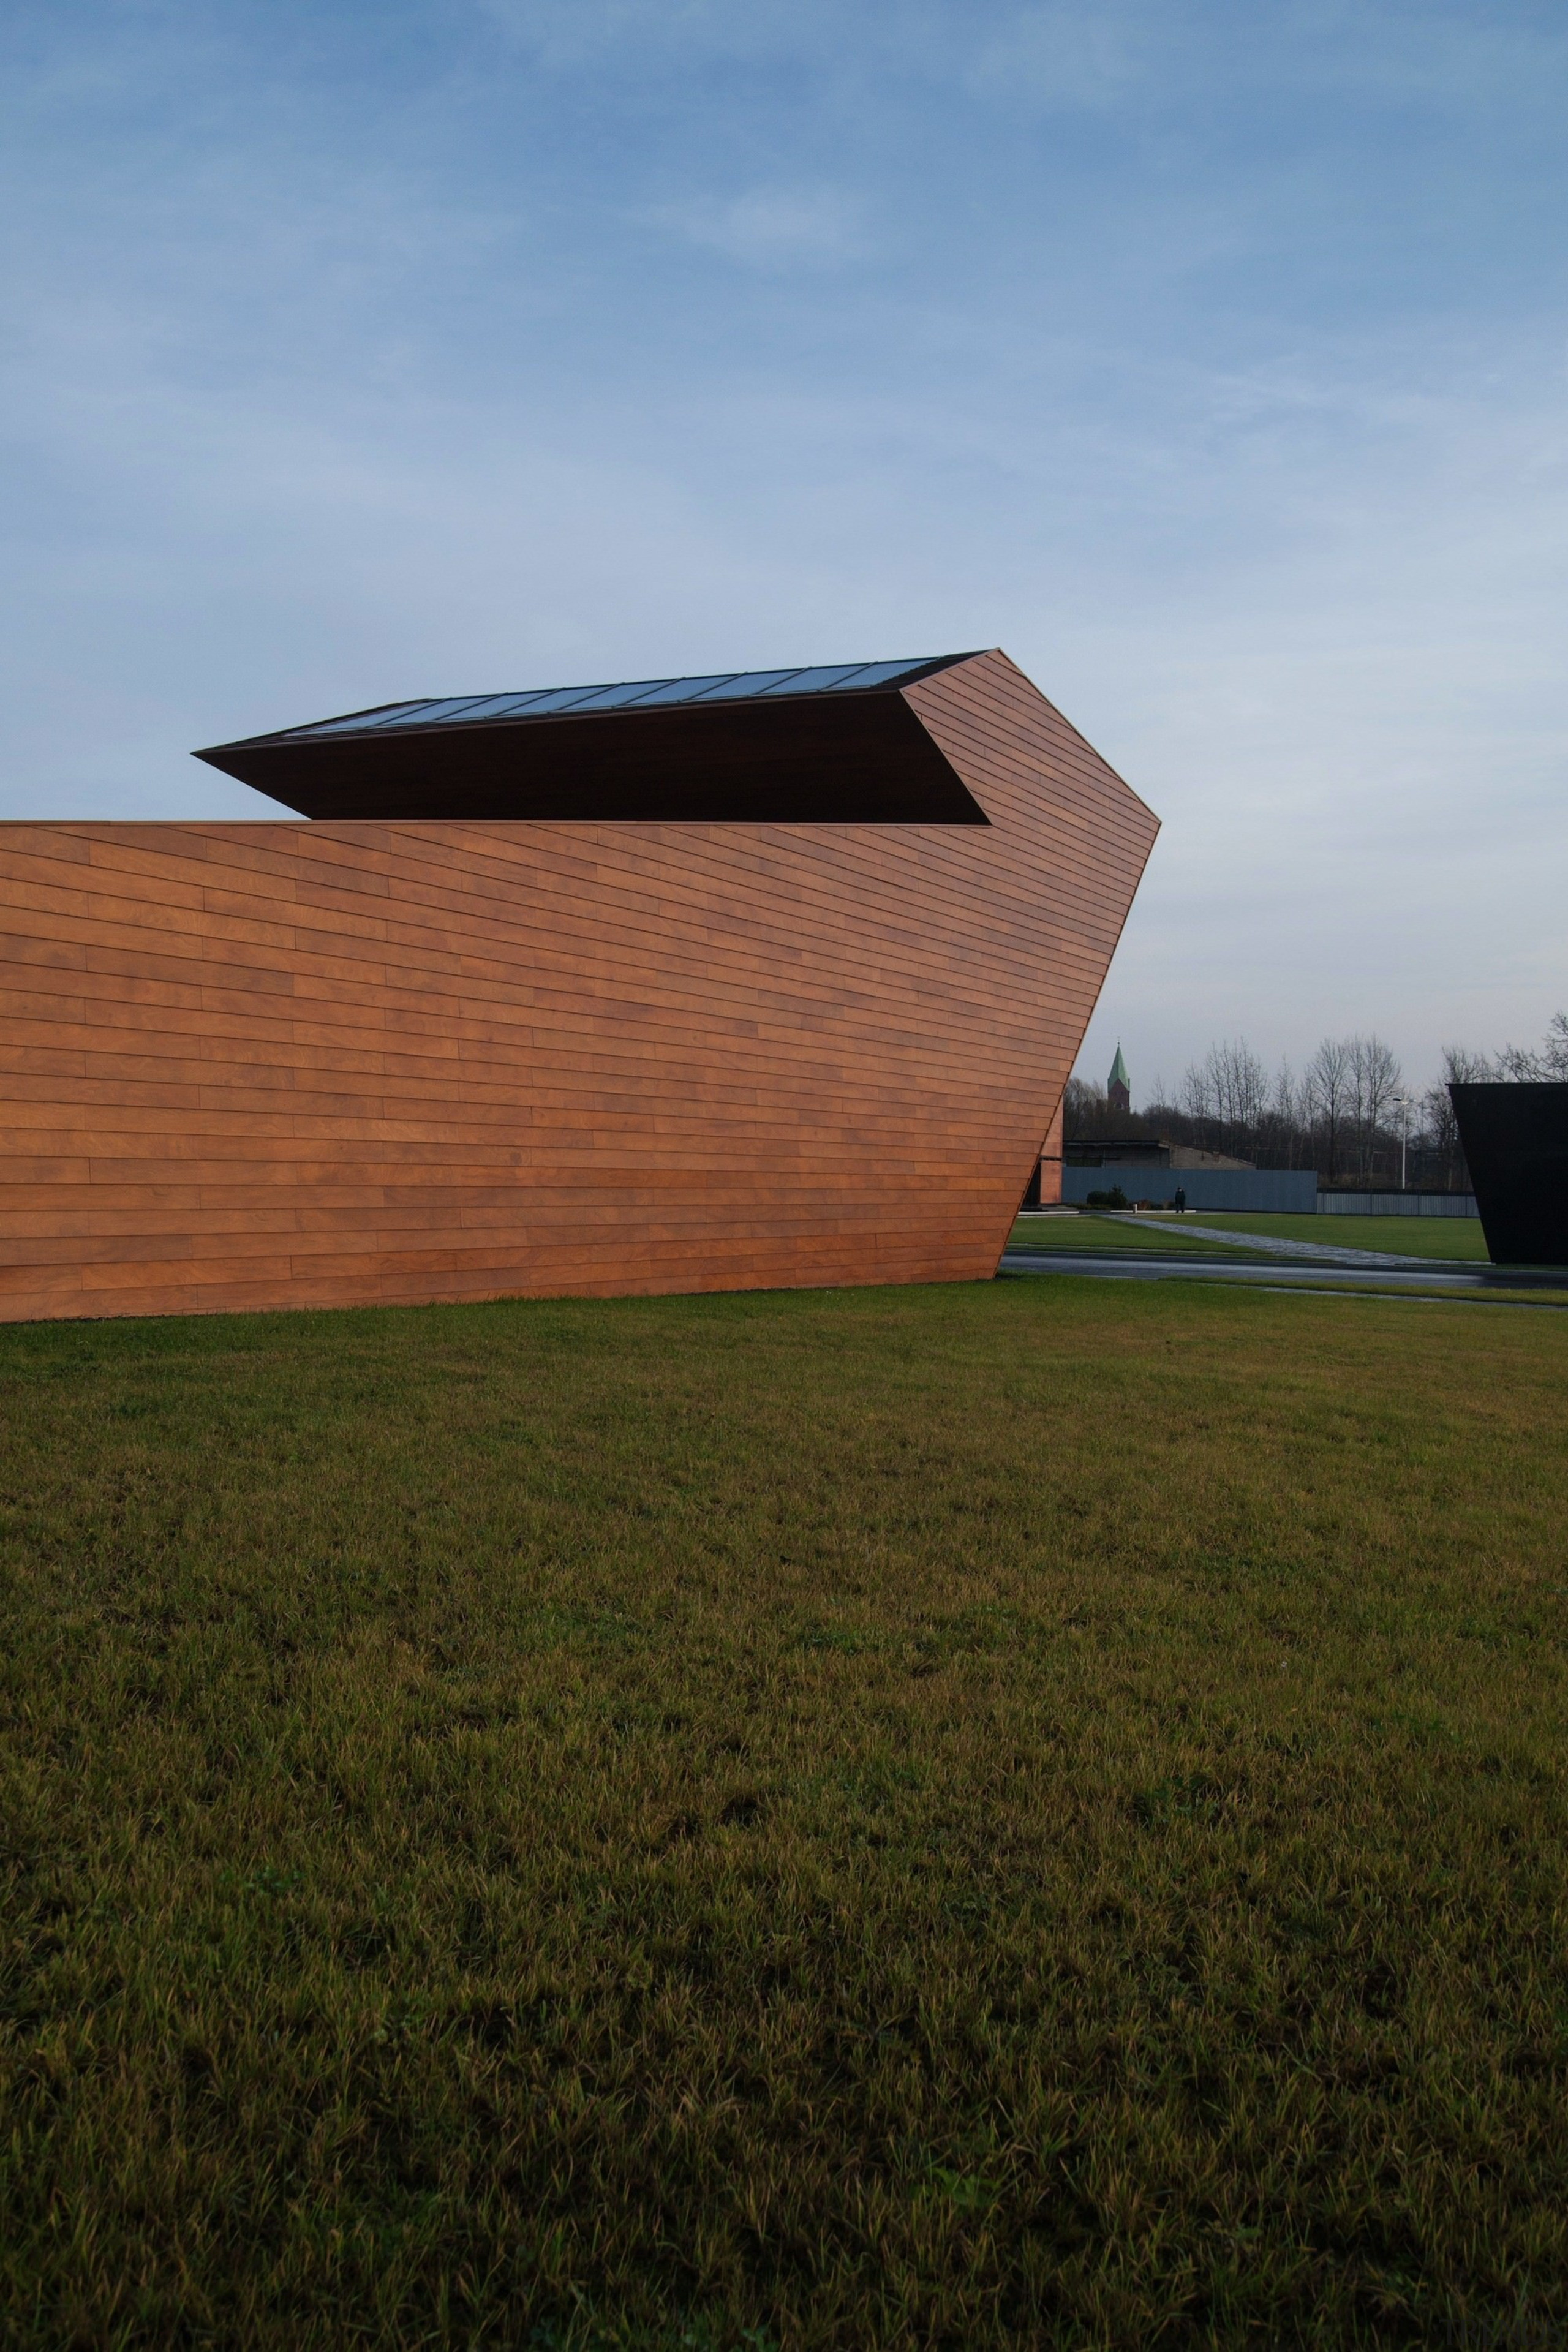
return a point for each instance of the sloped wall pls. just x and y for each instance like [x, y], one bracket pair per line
[282, 1065]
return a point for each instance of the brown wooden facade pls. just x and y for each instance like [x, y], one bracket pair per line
[302, 1063]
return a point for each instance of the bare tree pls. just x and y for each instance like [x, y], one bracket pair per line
[1374, 1080]
[1550, 1059]
[1227, 1096]
[1082, 1102]
[1195, 1094]
[1088, 1118]
[1326, 1082]
[1246, 1085]
[1439, 1128]
[1346, 1115]
[1287, 1114]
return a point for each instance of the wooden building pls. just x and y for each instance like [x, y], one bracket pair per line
[771, 980]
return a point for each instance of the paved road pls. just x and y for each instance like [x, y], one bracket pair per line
[1439, 1280]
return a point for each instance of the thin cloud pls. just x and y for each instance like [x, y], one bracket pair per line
[1075, 56]
[566, 34]
[639, 339]
[775, 228]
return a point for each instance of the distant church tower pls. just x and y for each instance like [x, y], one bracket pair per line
[1118, 1093]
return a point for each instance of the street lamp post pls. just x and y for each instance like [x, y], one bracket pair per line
[1403, 1105]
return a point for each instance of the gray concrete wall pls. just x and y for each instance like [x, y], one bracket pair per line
[1397, 1204]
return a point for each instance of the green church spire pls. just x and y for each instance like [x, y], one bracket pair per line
[1118, 1073]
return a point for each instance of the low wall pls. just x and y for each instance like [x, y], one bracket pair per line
[1397, 1204]
[1290, 1190]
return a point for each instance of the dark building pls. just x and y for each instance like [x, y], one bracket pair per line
[1515, 1139]
[1118, 1093]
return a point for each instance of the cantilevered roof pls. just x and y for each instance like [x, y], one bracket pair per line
[835, 743]
[636, 694]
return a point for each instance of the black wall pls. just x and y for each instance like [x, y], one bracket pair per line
[1516, 1142]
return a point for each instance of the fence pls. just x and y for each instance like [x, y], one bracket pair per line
[1397, 1204]
[1294, 1191]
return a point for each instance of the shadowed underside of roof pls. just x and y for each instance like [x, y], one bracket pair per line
[836, 744]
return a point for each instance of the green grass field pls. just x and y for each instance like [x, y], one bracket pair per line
[1021, 1814]
[1431, 1238]
[1169, 1236]
[1446, 1237]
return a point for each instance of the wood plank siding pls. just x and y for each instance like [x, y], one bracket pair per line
[302, 1063]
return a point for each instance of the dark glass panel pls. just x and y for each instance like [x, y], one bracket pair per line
[683, 689]
[387, 710]
[744, 684]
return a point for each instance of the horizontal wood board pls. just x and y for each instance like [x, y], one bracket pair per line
[293, 1064]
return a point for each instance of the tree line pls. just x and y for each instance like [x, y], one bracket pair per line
[1347, 1113]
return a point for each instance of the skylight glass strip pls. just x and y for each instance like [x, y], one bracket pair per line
[436, 714]
[405, 711]
[884, 673]
[557, 697]
[745, 684]
[813, 681]
[484, 706]
[684, 689]
[634, 694]
[518, 706]
[616, 697]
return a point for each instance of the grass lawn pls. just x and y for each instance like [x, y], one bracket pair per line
[1169, 1237]
[1021, 1814]
[1431, 1238]
[1451, 1237]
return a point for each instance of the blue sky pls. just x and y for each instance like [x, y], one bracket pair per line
[1209, 355]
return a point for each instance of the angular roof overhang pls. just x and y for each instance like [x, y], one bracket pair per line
[825, 746]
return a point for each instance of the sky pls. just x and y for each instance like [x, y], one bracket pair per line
[1210, 356]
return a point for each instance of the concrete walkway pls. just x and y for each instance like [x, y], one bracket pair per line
[1344, 1278]
[1345, 1254]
